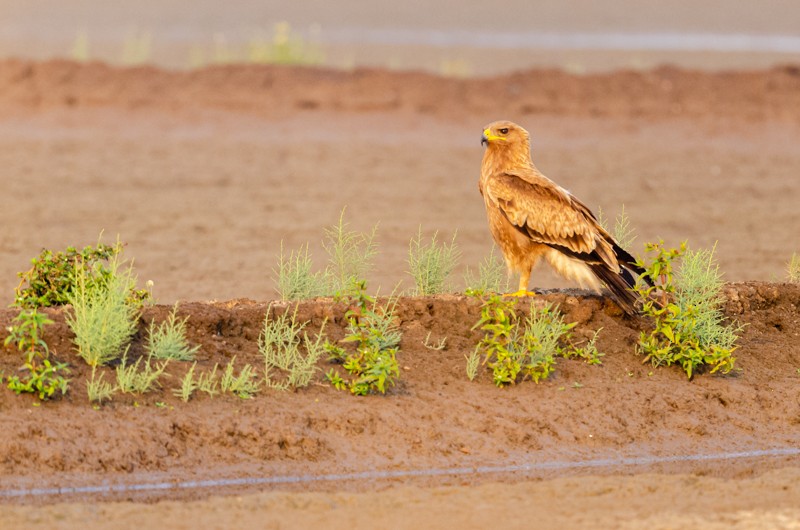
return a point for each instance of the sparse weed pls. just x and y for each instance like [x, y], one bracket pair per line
[284, 47]
[473, 362]
[80, 47]
[294, 277]
[98, 389]
[188, 385]
[624, 234]
[103, 318]
[436, 347]
[431, 263]
[133, 380]
[137, 47]
[245, 385]
[793, 269]
[373, 365]
[280, 342]
[168, 339]
[350, 256]
[588, 352]
[688, 322]
[492, 276]
[207, 382]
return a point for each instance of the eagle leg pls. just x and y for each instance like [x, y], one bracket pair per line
[523, 291]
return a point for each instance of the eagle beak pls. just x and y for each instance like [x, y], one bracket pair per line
[489, 137]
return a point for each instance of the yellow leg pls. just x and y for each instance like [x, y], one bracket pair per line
[524, 278]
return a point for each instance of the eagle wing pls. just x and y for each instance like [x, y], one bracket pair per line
[548, 214]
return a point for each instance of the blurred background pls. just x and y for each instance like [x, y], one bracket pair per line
[448, 37]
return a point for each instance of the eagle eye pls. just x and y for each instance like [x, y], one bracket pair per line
[504, 130]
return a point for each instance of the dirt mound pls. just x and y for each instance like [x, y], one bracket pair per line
[433, 418]
[278, 91]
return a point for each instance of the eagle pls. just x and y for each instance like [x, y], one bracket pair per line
[531, 217]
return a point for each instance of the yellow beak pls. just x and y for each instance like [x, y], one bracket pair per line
[489, 137]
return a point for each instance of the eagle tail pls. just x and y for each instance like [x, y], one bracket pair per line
[620, 284]
[624, 258]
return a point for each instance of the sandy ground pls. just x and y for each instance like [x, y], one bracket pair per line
[204, 173]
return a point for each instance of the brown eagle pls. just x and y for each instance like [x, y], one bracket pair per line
[532, 217]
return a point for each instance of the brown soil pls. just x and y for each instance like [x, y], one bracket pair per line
[204, 173]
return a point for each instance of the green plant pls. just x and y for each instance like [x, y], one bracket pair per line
[588, 352]
[281, 344]
[98, 389]
[473, 362]
[624, 234]
[793, 269]
[80, 47]
[52, 275]
[188, 385]
[529, 350]
[491, 276]
[103, 318]
[431, 263]
[436, 347]
[498, 322]
[133, 380]
[168, 339]
[245, 385]
[207, 382]
[283, 47]
[350, 256]
[542, 337]
[294, 277]
[137, 47]
[371, 328]
[40, 376]
[686, 311]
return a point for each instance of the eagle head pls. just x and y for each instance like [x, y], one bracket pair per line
[504, 133]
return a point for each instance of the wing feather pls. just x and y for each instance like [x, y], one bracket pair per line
[547, 213]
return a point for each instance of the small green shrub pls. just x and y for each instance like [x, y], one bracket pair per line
[542, 336]
[98, 389]
[624, 234]
[52, 275]
[294, 277]
[689, 327]
[40, 376]
[588, 352]
[793, 269]
[103, 318]
[491, 277]
[207, 382]
[131, 379]
[188, 385]
[528, 349]
[281, 345]
[168, 339]
[473, 363]
[350, 257]
[431, 263]
[245, 385]
[439, 346]
[373, 365]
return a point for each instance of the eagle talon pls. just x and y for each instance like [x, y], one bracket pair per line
[522, 293]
